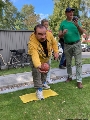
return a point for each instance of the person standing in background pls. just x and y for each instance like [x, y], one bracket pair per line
[71, 30]
[62, 64]
[45, 23]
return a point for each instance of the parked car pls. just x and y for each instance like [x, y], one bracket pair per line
[84, 47]
[88, 48]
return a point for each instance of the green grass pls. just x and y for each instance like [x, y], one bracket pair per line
[70, 103]
[54, 64]
[15, 71]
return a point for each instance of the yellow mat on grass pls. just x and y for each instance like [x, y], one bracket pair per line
[32, 96]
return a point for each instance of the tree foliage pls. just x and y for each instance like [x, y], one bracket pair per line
[8, 17]
[10, 13]
[2, 3]
[30, 18]
[85, 13]
[59, 12]
[13, 19]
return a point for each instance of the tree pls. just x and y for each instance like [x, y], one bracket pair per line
[30, 18]
[85, 17]
[2, 4]
[8, 17]
[85, 8]
[12, 19]
[19, 22]
[1, 7]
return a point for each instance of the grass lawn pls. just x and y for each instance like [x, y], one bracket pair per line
[54, 64]
[71, 103]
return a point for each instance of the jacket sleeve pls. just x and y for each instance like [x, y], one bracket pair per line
[34, 55]
[54, 44]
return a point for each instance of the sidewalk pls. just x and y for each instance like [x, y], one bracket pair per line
[14, 82]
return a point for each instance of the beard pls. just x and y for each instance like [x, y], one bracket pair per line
[42, 40]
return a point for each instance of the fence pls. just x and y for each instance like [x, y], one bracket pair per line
[10, 40]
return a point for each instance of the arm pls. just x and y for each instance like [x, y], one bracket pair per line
[62, 33]
[34, 54]
[55, 48]
[35, 58]
[32, 50]
[79, 27]
[54, 44]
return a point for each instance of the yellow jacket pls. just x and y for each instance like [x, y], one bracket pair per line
[35, 49]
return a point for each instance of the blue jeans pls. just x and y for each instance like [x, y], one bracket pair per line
[49, 72]
[63, 56]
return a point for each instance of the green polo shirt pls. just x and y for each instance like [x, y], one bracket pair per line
[72, 34]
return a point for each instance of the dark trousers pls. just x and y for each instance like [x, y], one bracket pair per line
[63, 59]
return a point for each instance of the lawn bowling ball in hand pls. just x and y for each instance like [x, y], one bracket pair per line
[45, 67]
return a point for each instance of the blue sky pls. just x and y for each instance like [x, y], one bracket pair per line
[42, 7]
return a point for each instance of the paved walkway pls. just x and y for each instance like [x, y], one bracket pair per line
[13, 82]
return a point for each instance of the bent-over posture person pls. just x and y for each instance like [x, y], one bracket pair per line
[39, 49]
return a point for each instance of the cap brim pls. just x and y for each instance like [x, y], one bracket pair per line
[70, 10]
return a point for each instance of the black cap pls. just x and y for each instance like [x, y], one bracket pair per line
[69, 9]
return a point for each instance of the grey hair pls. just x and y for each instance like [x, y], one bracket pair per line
[43, 21]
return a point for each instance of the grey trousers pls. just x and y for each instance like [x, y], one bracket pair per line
[76, 51]
[38, 78]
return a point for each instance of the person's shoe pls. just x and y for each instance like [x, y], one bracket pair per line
[46, 86]
[39, 94]
[68, 79]
[49, 81]
[62, 67]
[79, 85]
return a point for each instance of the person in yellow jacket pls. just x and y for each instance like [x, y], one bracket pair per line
[40, 49]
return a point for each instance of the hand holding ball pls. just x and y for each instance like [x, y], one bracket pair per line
[45, 67]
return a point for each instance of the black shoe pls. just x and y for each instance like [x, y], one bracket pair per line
[68, 79]
[62, 67]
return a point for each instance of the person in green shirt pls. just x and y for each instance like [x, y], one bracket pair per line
[71, 30]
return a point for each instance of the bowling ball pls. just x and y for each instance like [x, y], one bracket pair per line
[45, 67]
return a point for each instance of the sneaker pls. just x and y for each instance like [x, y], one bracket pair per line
[50, 81]
[46, 86]
[39, 95]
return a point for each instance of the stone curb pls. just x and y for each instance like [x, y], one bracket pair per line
[21, 86]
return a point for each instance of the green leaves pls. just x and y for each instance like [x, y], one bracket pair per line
[30, 18]
[12, 19]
